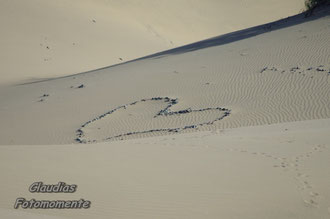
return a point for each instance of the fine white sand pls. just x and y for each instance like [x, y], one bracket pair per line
[278, 74]
[235, 126]
[275, 171]
[46, 38]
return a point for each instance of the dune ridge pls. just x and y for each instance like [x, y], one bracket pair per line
[279, 76]
[234, 126]
[67, 37]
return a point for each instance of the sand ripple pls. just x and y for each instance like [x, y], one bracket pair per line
[147, 116]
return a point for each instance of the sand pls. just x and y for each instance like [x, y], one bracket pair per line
[55, 38]
[275, 171]
[234, 126]
[256, 82]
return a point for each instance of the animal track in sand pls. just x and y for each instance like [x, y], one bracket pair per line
[147, 116]
[292, 165]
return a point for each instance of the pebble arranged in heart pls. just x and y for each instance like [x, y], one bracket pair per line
[146, 116]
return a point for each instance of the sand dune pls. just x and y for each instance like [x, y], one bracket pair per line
[43, 39]
[273, 171]
[278, 76]
[234, 126]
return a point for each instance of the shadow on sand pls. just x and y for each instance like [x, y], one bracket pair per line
[222, 39]
[244, 34]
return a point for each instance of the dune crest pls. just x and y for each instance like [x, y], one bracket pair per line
[233, 126]
[263, 76]
[43, 39]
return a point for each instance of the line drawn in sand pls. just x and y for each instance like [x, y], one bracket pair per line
[155, 113]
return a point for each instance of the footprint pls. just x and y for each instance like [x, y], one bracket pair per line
[313, 194]
[311, 202]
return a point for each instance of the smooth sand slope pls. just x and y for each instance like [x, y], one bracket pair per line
[45, 38]
[280, 73]
[236, 126]
[275, 171]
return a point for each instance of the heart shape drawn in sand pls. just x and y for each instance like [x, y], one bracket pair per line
[146, 116]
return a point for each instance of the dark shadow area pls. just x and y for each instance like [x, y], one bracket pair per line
[244, 34]
[224, 39]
